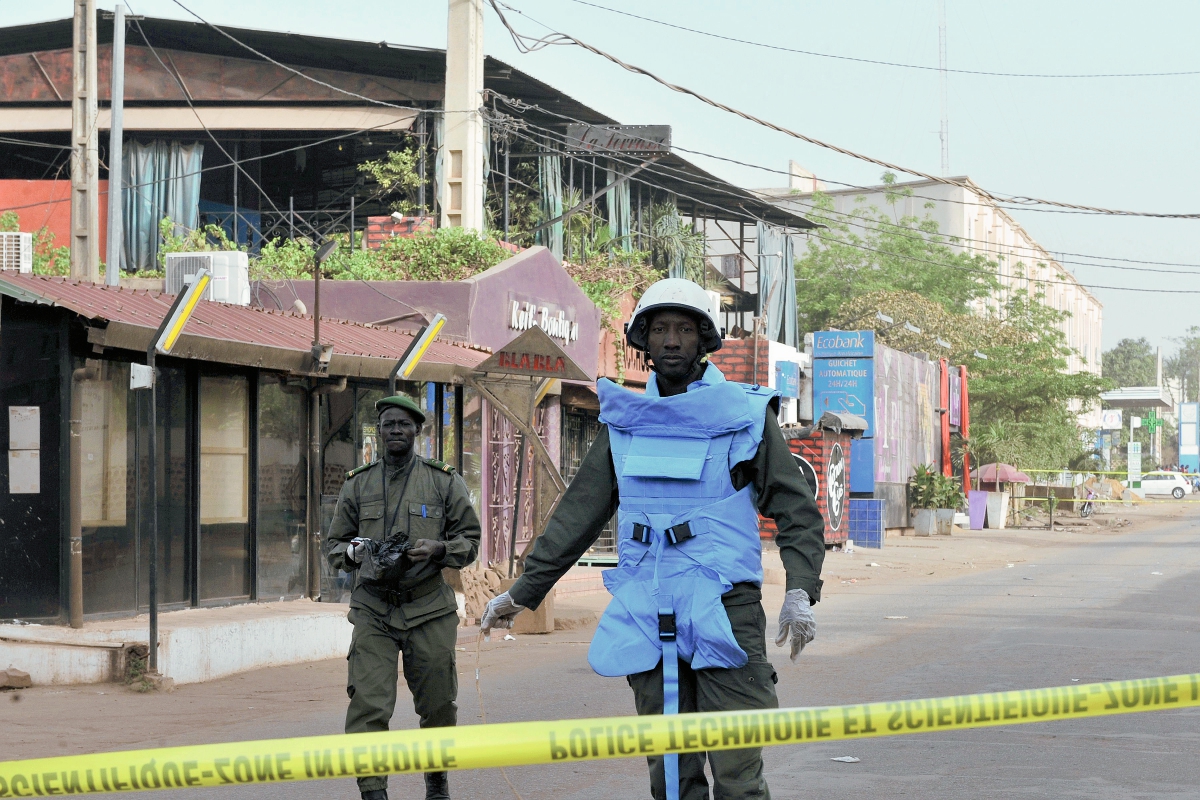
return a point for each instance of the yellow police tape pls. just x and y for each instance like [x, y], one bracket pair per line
[516, 743]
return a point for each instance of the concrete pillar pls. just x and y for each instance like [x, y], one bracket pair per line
[85, 186]
[461, 192]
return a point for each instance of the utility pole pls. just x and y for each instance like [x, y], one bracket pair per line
[116, 136]
[85, 185]
[944, 132]
[461, 192]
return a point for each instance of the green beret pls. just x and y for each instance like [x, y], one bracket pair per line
[402, 401]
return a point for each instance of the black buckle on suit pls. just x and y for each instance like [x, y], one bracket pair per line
[678, 534]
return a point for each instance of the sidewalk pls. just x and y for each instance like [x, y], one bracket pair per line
[195, 645]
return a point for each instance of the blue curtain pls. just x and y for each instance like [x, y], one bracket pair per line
[161, 179]
[551, 203]
[777, 283]
[618, 210]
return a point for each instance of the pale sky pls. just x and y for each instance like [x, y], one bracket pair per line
[1114, 142]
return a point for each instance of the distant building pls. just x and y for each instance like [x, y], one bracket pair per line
[980, 227]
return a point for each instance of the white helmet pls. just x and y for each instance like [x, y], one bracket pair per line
[680, 294]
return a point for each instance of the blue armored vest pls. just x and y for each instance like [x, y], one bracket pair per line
[684, 535]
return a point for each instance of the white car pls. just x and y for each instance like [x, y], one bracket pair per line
[1174, 484]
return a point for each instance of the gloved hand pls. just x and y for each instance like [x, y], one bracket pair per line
[356, 549]
[796, 620]
[500, 613]
[425, 549]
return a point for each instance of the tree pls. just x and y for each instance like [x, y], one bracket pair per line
[397, 175]
[1133, 362]
[1184, 364]
[869, 250]
[869, 261]
[1025, 378]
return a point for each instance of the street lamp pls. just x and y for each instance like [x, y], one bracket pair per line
[981, 355]
[320, 353]
[940, 342]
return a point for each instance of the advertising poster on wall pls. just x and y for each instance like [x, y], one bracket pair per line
[955, 397]
[906, 391]
[370, 444]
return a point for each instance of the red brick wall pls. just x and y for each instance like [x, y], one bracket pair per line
[380, 229]
[736, 360]
[815, 449]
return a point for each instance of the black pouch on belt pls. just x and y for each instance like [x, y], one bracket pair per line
[384, 562]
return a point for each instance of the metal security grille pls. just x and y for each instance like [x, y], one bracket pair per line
[579, 430]
[16, 251]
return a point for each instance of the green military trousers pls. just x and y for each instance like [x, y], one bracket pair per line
[736, 773]
[429, 670]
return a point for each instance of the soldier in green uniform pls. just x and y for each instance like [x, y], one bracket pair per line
[426, 504]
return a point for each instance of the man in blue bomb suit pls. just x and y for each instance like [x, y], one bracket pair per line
[686, 466]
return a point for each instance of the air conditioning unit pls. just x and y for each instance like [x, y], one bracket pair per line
[16, 251]
[230, 271]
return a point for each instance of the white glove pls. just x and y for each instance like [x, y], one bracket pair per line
[356, 549]
[796, 619]
[500, 613]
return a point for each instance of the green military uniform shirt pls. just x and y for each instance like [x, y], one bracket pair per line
[425, 499]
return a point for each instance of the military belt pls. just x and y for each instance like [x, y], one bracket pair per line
[401, 597]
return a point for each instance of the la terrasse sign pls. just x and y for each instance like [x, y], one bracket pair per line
[629, 139]
[523, 316]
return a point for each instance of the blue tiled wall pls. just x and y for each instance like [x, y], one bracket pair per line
[866, 522]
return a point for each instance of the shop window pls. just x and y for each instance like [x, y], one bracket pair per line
[472, 444]
[340, 453]
[282, 491]
[426, 446]
[366, 429]
[224, 566]
[449, 442]
[107, 492]
[175, 504]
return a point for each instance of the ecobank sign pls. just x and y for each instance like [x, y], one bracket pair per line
[835, 344]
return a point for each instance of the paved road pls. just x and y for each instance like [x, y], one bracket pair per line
[1091, 610]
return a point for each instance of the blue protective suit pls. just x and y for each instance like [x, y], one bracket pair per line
[684, 535]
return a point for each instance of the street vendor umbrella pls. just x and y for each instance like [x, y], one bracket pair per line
[1001, 473]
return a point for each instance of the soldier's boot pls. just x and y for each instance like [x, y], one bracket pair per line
[375, 794]
[437, 786]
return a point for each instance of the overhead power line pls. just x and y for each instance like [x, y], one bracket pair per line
[529, 44]
[1029, 280]
[850, 219]
[877, 62]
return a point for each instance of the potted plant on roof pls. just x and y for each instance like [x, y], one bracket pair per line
[923, 499]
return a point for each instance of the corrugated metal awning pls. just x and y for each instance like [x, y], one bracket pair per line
[240, 335]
